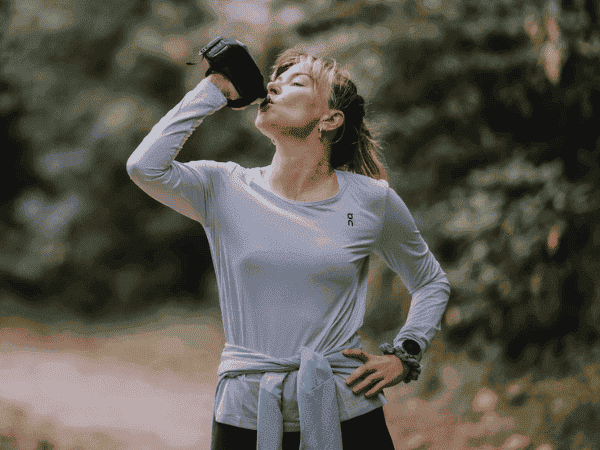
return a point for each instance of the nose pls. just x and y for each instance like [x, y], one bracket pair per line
[271, 87]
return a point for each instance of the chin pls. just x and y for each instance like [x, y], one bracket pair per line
[262, 124]
[259, 124]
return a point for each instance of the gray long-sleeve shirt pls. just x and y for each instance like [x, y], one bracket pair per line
[290, 274]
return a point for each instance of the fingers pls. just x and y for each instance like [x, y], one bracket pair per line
[376, 390]
[356, 353]
[352, 378]
[358, 374]
[367, 385]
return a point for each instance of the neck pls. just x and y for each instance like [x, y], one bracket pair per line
[299, 172]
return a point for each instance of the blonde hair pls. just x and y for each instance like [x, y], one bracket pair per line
[355, 149]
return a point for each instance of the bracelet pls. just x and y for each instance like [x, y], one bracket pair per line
[410, 360]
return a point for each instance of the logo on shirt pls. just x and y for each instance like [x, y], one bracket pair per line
[350, 222]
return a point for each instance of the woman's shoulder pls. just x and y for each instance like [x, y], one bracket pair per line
[365, 183]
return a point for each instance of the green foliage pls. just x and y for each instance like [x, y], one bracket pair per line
[489, 130]
[6, 442]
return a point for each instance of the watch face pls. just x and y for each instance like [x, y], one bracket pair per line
[411, 347]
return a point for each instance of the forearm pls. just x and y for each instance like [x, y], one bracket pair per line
[155, 154]
[425, 314]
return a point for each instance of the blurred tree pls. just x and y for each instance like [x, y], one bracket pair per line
[489, 129]
[509, 167]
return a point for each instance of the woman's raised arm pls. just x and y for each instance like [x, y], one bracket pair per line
[152, 166]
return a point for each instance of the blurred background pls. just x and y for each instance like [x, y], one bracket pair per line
[110, 325]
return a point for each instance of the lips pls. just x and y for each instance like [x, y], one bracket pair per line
[265, 104]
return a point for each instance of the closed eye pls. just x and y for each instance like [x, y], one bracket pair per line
[298, 84]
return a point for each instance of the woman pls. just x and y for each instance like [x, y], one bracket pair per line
[291, 244]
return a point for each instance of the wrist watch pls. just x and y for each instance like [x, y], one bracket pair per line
[411, 347]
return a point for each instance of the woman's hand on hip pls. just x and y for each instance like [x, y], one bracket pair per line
[376, 373]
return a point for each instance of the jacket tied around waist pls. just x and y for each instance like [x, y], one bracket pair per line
[316, 389]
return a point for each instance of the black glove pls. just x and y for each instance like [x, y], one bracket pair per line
[231, 59]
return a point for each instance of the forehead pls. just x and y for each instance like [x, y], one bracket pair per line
[296, 68]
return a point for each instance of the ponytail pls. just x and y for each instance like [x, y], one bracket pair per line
[356, 150]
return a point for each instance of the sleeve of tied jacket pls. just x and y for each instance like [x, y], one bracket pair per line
[402, 247]
[185, 187]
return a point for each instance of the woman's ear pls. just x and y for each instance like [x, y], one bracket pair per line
[334, 121]
[337, 120]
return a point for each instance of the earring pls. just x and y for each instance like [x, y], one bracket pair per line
[320, 130]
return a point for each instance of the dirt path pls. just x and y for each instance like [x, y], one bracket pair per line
[148, 390]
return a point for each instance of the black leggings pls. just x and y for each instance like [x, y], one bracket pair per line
[365, 431]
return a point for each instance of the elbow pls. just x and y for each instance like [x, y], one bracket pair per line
[440, 277]
[129, 168]
[439, 282]
[140, 173]
[443, 279]
[132, 170]
[131, 162]
[134, 167]
[135, 171]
